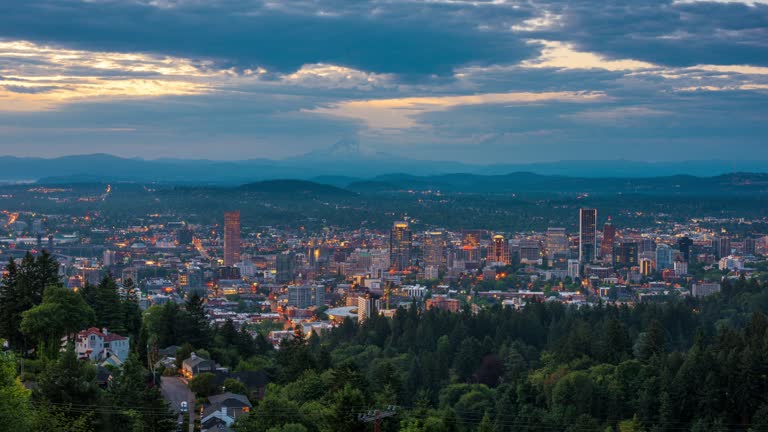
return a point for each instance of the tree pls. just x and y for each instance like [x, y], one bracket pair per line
[69, 382]
[62, 313]
[15, 407]
[486, 425]
[468, 358]
[142, 407]
[204, 384]
[345, 406]
[290, 427]
[235, 386]
[653, 342]
[50, 418]
[275, 410]
[10, 298]
[105, 301]
[183, 353]
[199, 330]
[22, 289]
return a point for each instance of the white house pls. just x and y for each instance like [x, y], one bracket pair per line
[222, 410]
[101, 345]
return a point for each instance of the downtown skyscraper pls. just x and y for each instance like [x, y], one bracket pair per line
[587, 235]
[499, 251]
[231, 238]
[609, 237]
[400, 245]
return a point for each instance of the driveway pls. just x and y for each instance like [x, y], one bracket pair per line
[175, 391]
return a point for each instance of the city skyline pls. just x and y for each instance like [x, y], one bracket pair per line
[476, 82]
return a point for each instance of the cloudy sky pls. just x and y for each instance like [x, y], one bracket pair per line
[473, 81]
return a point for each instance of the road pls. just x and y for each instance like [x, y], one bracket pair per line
[175, 391]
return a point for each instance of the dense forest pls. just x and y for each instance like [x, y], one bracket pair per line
[656, 367]
[685, 365]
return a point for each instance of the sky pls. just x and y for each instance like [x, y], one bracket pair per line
[472, 81]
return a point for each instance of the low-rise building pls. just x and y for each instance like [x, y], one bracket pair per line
[102, 346]
[703, 289]
[223, 410]
[195, 365]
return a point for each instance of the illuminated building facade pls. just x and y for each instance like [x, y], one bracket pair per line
[231, 238]
[625, 254]
[400, 246]
[646, 266]
[499, 252]
[556, 243]
[470, 245]
[587, 235]
[434, 249]
[609, 237]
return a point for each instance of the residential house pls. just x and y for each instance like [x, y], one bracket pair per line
[195, 365]
[222, 411]
[102, 346]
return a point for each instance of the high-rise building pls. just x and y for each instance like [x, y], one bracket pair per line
[231, 238]
[285, 266]
[587, 235]
[573, 268]
[646, 245]
[609, 237]
[300, 296]
[664, 257]
[722, 246]
[625, 254]
[499, 251]
[37, 226]
[680, 266]
[685, 244]
[434, 251]
[646, 266]
[556, 243]
[109, 258]
[750, 246]
[366, 306]
[400, 246]
[470, 245]
[530, 251]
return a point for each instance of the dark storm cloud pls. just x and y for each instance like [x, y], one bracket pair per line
[664, 32]
[407, 39]
[331, 68]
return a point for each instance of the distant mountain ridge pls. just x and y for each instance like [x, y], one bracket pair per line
[343, 165]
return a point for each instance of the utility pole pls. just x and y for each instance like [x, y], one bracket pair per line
[376, 415]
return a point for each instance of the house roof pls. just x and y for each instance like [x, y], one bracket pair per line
[109, 337]
[169, 351]
[89, 331]
[113, 337]
[228, 398]
[195, 361]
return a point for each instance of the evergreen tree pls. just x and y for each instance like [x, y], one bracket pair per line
[62, 313]
[22, 289]
[15, 407]
[69, 383]
[139, 406]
